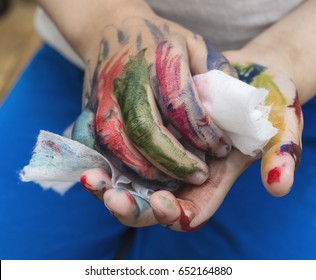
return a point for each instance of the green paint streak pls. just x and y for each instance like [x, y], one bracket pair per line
[130, 89]
[248, 72]
[265, 81]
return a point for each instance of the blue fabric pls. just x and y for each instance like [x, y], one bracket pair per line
[37, 224]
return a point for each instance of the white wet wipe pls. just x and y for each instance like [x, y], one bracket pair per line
[238, 108]
[58, 162]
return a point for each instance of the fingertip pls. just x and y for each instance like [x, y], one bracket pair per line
[95, 180]
[200, 175]
[165, 207]
[177, 214]
[278, 181]
[198, 178]
[278, 174]
[129, 209]
[119, 202]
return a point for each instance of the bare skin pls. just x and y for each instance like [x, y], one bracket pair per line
[284, 50]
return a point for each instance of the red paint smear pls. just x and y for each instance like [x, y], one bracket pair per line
[274, 175]
[185, 222]
[52, 145]
[297, 107]
[168, 69]
[130, 197]
[109, 125]
[85, 184]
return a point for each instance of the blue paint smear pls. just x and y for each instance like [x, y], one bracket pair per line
[155, 31]
[248, 73]
[121, 37]
[215, 60]
[105, 45]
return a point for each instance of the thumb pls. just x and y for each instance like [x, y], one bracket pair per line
[282, 155]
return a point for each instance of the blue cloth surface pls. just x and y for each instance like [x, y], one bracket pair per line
[37, 224]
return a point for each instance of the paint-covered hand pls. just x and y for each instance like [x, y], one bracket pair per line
[190, 207]
[144, 67]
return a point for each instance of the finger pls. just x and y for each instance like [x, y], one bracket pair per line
[203, 57]
[190, 208]
[283, 153]
[111, 139]
[84, 132]
[145, 129]
[177, 97]
[129, 209]
[96, 181]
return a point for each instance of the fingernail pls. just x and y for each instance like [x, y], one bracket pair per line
[224, 147]
[223, 151]
[198, 178]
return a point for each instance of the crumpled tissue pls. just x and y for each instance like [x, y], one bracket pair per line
[238, 108]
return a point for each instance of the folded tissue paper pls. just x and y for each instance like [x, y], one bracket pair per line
[236, 107]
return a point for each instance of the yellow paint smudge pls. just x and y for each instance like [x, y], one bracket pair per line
[278, 103]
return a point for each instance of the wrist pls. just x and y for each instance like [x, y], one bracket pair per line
[270, 56]
[288, 59]
[287, 47]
